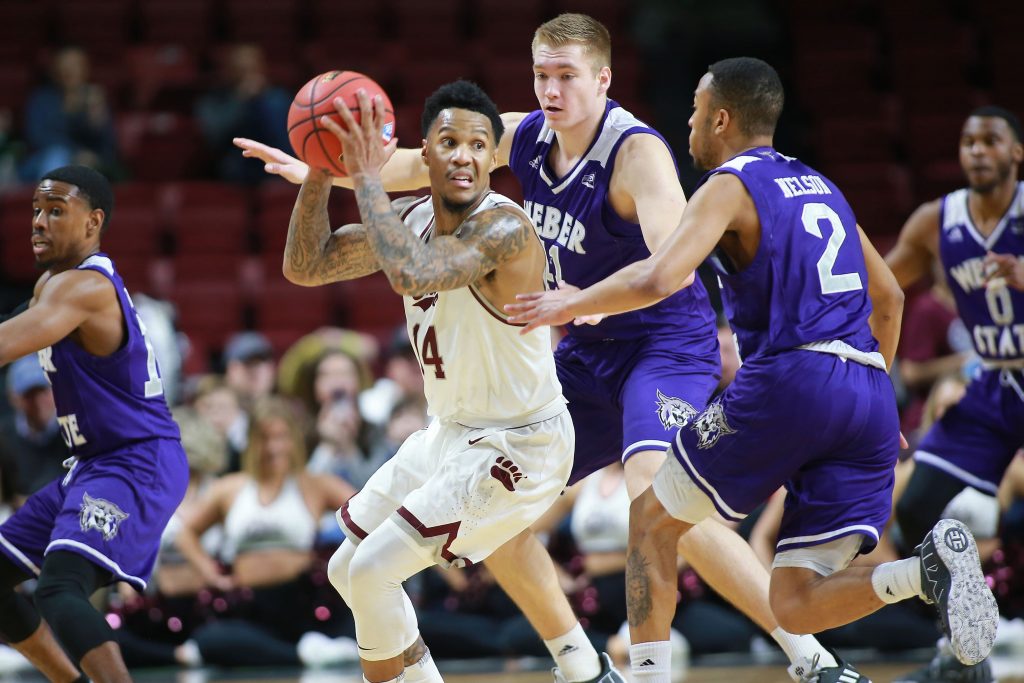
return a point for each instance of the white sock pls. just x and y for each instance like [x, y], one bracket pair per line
[400, 678]
[799, 648]
[423, 671]
[574, 655]
[651, 662]
[899, 580]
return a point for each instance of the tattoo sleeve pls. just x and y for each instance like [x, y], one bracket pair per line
[486, 240]
[313, 255]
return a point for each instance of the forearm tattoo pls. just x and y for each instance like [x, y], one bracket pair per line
[316, 253]
[638, 588]
[486, 240]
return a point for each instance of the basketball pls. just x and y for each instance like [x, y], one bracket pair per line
[313, 143]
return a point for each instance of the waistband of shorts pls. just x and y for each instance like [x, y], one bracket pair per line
[836, 347]
[552, 409]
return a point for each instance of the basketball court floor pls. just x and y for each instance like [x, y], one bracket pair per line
[1008, 669]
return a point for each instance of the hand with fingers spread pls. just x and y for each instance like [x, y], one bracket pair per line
[276, 161]
[362, 150]
[1008, 267]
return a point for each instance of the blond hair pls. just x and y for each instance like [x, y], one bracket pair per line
[274, 408]
[578, 29]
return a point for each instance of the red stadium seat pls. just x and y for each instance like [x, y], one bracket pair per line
[282, 305]
[213, 311]
[186, 22]
[206, 217]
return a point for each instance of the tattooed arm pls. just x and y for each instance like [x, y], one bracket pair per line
[313, 255]
[486, 240]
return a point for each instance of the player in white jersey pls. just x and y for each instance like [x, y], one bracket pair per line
[499, 449]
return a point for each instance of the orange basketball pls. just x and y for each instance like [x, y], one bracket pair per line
[313, 143]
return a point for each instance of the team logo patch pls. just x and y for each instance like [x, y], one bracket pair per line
[674, 411]
[101, 515]
[589, 179]
[507, 473]
[711, 426]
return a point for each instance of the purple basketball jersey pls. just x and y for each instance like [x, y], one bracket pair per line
[976, 439]
[106, 403]
[585, 239]
[989, 312]
[807, 282]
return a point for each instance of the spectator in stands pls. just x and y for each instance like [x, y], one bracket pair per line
[249, 368]
[219, 405]
[67, 121]
[30, 437]
[269, 512]
[244, 104]
[346, 440]
[402, 379]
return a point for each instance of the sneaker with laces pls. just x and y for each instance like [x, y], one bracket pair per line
[609, 674]
[806, 671]
[952, 580]
[945, 668]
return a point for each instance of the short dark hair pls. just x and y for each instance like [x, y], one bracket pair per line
[461, 94]
[92, 186]
[1000, 113]
[750, 89]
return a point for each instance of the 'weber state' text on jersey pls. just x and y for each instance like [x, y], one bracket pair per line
[107, 402]
[585, 240]
[477, 369]
[993, 313]
[808, 281]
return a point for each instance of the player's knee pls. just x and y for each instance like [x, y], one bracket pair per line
[648, 520]
[789, 598]
[368, 576]
[338, 567]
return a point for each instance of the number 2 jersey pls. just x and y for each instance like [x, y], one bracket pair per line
[807, 283]
[992, 312]
[105, 403]
[477, 369]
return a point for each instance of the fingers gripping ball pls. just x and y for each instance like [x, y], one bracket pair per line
[313, 143]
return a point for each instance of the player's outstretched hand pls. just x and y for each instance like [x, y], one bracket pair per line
[361, 148]
[537, 309]
[276, 162]
[1008, 267]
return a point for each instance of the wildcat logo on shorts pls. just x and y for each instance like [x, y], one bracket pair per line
[674, 411]
[711, 426]
[101, 515]
[956, 540]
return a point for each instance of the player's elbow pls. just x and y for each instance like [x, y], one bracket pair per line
[889, 299]
[297, 277]
[654, 285]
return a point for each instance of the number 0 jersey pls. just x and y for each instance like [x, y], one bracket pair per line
[107, 402]
[477, 369]
[993, 312]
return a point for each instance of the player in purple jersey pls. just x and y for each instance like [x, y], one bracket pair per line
[603, 191]
[817, 314]
[102, 521]
[977, 233]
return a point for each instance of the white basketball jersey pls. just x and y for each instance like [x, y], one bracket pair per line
[477, 369]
